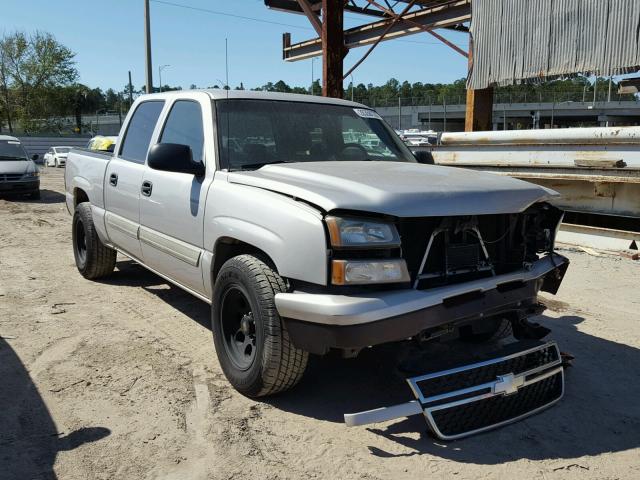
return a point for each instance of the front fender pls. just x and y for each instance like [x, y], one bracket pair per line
[290, 233]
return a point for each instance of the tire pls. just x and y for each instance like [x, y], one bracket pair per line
[55, 164]
[502, 329]
[93, 258]
[252, 344]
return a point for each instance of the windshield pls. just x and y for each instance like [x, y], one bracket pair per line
[62, 149]
[253, 133]
[11, 150]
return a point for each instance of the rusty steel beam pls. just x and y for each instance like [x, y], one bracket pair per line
[333, 49]
[396, 19]
[311, 15]
[292, 6]
[479, 113]
[392, 14]
[437, 16]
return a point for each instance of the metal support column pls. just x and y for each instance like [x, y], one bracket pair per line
[333, 49]
[479, 112]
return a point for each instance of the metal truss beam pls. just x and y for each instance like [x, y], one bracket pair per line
[437, 16]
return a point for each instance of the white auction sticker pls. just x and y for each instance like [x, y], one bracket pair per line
[365, 113]
[13, 142]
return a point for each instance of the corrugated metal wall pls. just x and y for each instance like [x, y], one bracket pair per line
[529, 40]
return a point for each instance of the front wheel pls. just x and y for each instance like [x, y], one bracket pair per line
[252, 344]
[93, 258]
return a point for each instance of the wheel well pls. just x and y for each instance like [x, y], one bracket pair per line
[79, 196]
[227, 248]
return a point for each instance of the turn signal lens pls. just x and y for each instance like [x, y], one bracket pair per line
[362, 272]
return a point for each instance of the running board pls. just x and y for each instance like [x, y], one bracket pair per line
[473, 398]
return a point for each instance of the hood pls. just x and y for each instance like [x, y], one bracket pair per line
[16, 166]
[396, 188]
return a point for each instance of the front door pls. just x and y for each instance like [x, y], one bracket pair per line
[123, 179]
[172, 204]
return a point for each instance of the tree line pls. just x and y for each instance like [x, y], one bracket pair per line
[39, 88]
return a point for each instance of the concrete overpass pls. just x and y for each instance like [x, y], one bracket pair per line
[442, 117]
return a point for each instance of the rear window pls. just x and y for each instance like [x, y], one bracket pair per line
[138, 135]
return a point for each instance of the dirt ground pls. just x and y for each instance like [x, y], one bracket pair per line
[118, 380]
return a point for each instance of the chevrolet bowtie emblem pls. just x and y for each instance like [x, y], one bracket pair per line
[508, 384]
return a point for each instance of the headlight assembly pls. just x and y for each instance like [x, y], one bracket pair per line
[354, 232]
[31, 174]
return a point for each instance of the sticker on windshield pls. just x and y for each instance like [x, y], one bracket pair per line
[13, 142]
[366, 113]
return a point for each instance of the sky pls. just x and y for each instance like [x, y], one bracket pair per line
[108, 39]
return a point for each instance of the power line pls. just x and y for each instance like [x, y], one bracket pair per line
[226, 14]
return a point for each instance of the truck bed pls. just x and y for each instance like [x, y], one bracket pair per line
[93, 165]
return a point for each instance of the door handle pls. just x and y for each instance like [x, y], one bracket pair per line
[113, 179]
[146, 188]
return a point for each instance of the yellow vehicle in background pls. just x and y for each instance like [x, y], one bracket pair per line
[102, 143]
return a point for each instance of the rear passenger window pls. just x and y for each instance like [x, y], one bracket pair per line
[138, 135]
[184, 126]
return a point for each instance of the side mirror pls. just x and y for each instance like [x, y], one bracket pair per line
[35, 157]
[174, 157]
[422, 156]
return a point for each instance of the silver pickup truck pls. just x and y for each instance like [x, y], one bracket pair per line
[309, 226]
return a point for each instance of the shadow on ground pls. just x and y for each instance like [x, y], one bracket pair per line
[29, 437]
[599, 413]
[46, 197]
[130, 274]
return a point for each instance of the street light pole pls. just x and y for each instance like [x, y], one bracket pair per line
[147, 47]
[352, 85]
[160, 68]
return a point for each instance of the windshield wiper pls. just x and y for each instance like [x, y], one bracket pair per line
[256, 166]
[10, 157]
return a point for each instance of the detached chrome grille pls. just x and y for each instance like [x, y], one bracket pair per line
[477, 397]
[461, 401]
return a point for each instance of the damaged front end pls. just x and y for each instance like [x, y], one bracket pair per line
[461, 398]
[447, 251]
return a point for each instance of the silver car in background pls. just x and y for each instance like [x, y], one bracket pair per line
[18, 173]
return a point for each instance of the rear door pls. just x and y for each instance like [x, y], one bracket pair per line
[123, 178]
[172, 205]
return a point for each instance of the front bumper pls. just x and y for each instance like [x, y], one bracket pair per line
[319, 322]
[20, 186]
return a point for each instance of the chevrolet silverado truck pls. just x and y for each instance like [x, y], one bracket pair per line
[305, 239]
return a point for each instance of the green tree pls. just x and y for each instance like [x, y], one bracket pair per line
[32, 67]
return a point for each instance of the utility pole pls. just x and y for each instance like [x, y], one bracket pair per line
[130, 90]
[147, 47]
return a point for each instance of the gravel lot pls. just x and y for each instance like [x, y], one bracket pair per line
[118, 380]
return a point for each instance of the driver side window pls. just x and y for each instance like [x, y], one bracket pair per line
[184, 126]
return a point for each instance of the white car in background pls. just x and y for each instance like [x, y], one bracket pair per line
[56, 156]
